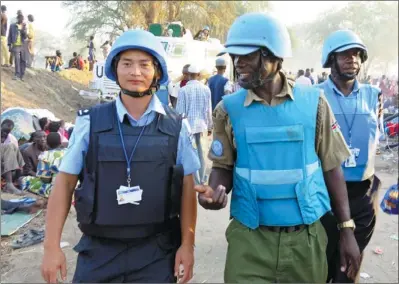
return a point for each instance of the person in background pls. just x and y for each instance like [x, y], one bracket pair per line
[31, 153]
[16, 39]
[86, 65]
[302, 80]
[29, 42]
[12, 162]
[8, 125]
[314, 76]
[55, 126]
[47, 168]
[63, 130]
[309, 75]
[322, 78]
[92, 51]
[14, 21]
[44, 123]
[81, 62]
[358, 110]
[5, 54]
[203, 35]
[194, 102]
[219, 84]
[74, 61]
[57, 64]
[105, 48]
[180, 84]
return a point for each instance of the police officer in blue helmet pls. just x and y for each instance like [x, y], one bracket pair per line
[272, 148]
[358, 109]
[135, 204]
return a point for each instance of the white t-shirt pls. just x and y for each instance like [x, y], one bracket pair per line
[302, 80]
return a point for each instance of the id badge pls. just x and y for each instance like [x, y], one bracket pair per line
[351, 161]
[129, 195]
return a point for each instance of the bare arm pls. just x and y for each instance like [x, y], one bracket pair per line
[58, 208]
[188, 214]
[336, 187]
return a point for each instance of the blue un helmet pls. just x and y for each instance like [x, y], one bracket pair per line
[253, 31]
[141, 40]
[339, 41]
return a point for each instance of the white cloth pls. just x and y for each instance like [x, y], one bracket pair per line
[11, 140]
[302, 80]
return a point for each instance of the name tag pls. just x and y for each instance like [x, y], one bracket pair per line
[129, 195]
[351, 161]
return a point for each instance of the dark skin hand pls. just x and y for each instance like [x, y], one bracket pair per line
[350, 254]
[222, 181]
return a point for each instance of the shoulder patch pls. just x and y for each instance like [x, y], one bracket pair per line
[217, 148]
[83, 112]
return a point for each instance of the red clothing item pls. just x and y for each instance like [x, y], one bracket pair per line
[47, 132]
[81, 63]
[183, 83]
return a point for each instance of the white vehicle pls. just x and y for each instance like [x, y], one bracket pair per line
[179, 52]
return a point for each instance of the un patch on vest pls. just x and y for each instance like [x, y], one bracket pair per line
[335, 127]
[217, 148]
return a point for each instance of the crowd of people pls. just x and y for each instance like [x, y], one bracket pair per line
[18, 47]
[33, 165]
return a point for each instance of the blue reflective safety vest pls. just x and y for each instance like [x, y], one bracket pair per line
[361, 107]
[216, 85]
[277, 177]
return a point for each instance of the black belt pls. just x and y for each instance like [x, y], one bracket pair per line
[283, 229]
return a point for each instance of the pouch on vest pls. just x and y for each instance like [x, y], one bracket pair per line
[85, 195]
[176, 189]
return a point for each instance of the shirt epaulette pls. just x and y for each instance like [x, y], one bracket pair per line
[83, 112]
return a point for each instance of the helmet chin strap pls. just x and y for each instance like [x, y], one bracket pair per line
[258, 80]
[149, 92]
[343, 76]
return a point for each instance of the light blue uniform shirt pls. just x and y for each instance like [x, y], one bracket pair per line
[72, 162]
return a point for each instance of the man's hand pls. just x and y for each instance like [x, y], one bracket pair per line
[184, 256]
[53, 261]
[349, 252]
[211, 199]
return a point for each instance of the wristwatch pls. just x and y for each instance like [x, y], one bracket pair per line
[347, 224]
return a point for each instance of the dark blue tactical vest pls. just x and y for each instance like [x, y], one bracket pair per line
[216, 85]
[98, 212]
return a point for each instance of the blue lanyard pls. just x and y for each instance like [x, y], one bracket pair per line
[129, 160]
[350, 126]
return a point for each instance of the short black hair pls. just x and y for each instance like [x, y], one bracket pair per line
[33, 135]
[42, 122]
[8, 123]
[3, 8]
[54, 126]
[53, 140]
[301, 72]
[91, 37]
[31, 18]
[74, 54]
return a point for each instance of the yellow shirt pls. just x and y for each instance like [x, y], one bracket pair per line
[18, 41]
[31, 31]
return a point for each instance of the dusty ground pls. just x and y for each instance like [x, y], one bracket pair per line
[23, 266]
[45, 89]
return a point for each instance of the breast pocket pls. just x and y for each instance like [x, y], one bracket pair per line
[275, 147]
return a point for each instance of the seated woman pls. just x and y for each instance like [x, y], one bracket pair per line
[47, 169]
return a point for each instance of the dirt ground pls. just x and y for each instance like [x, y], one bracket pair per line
[45, 89]
[23, 265]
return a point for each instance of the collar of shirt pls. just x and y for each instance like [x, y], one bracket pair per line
[286, 91]
[191, 82]
[155, 106]
[332, 86]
